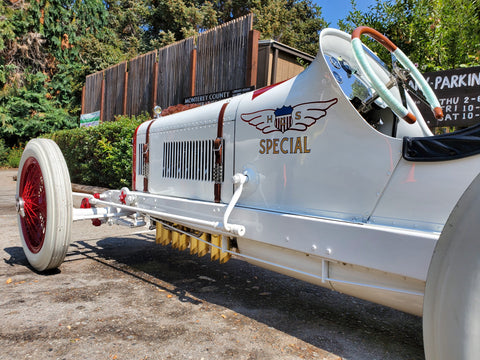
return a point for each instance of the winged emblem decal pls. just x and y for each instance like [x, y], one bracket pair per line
[295, 118]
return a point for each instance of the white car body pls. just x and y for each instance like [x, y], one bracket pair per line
[327, 194]
[318, 177]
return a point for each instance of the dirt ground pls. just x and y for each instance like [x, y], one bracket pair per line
[120, 296]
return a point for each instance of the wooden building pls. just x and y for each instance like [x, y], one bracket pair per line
[278, 62]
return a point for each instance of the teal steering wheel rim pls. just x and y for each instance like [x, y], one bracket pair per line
[396, 106]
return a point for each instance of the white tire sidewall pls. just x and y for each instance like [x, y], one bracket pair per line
[59, 204]
[451, 318]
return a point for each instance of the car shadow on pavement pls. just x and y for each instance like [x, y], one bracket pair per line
[321, 317]
[110, 256]
[17, 257]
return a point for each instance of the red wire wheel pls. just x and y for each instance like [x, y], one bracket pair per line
[32, 192]
[44, 204]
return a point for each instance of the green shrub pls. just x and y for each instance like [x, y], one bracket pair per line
[14, 156]
[27, 111]
[10, 158]
[3, 153]
[100, 155]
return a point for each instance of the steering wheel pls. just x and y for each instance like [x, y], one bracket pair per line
[397, 107]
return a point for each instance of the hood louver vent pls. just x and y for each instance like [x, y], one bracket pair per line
[142, 166]
[190, 160]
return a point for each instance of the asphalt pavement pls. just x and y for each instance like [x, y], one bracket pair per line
[120, 296]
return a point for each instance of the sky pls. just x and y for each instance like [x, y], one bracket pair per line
[334, 10]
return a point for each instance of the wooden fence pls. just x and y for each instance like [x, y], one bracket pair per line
[141, 74]
[175, 72]
[115, 78]
[91, 99]
[223, 58]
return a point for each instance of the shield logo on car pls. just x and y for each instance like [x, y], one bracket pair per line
[283, 118]
[295, 118]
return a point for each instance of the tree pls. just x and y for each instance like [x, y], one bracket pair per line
[293, 22]
[436, 34]
[42, 64]
[172, 20]
[127, 21]
[47, 47]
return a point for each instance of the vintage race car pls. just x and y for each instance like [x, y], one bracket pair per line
[332, 177]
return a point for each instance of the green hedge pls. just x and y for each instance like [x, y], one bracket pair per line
[100, 155]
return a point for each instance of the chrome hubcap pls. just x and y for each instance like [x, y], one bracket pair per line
[20, 206]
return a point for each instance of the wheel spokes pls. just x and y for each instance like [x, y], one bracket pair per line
[34, 202]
